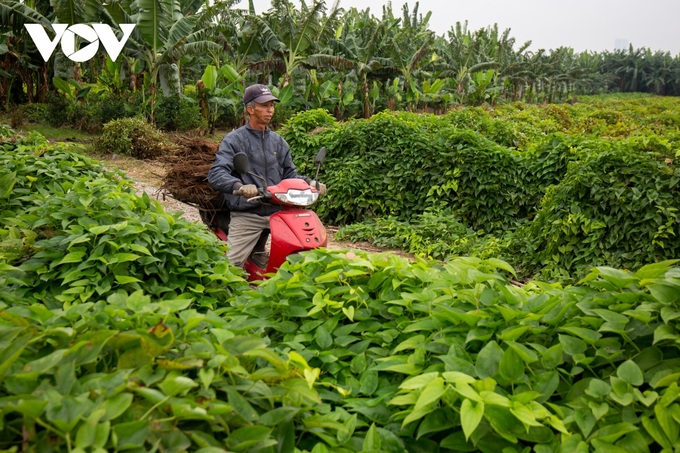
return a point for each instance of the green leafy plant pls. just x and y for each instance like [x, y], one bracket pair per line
[73, 232]
[615, 207]
[435, 235]
[132, 373]
[454, 357]
[495, 171]
[177, 113]
[109, 107]
[220, 93]
[35, 113]
[71, 89]
[306, 133]
[133, 137]
[339, 350]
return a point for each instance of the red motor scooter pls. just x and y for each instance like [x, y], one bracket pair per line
[292, 229]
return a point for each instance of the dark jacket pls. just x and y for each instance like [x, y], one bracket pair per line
[269, 156]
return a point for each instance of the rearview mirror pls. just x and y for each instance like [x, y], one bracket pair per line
[320, 156]
[241, 163]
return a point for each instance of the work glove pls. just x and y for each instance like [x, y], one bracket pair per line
[249, 190]
[321, 187]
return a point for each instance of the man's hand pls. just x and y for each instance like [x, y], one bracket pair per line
[249, 190]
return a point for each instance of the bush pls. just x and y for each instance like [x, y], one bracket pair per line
[306, 133]
[177, 113]
[614, 207]
[57, 107]
[435, 235]
[454, 358]
[377, 168]
[35, 113]
[385, 172]
[82, 116]
[133, 137]
[123, 328]
[400, 165]
[109, 108]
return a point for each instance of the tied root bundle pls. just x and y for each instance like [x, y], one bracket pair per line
[187, 176]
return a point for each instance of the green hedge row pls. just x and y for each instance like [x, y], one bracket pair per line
[568, 198]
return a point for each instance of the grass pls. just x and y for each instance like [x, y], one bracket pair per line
[58, 134]
[52, 133]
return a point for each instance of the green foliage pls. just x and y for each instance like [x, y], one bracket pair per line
[402, 164]
[424, 357]
[109, 107]
[133, 373]
[57, 106]
[484, 185]
[35, 113]
[498, 130]
[367, 165]
[499, 172]
[436, 235]
[306, 133]
[123, 328]
[614, 207]
[429, 235]
[88, 113]
[71, 232]
[82, 116]
[177, 113]
[133, 137]
[6, 132]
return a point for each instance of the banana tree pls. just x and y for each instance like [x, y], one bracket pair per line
[21, 59]
[409, 48]
[322, 92]
[219, 89]
[163, 34]
[234, 30]
[482, 88]
[290, 35]
[433, 94]
[360, 47]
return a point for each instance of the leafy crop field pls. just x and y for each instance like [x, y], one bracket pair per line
[552, 189]
[123, 328]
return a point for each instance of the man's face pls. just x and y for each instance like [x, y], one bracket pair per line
[262, 113]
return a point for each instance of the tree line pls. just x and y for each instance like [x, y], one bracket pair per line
[348, 61]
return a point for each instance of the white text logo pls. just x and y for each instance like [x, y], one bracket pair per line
[93, 33]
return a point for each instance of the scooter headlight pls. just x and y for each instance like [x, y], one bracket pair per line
[297, 197]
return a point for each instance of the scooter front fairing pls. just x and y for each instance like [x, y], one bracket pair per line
[291, 231]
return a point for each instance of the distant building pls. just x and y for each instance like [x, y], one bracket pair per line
[620, 44]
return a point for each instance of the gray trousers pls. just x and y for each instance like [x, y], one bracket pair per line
[245, 229]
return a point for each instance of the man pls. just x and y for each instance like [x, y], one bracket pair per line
[269, 157]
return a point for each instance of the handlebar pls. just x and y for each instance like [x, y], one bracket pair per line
[263, 195]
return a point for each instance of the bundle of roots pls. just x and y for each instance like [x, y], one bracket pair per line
[187, 177]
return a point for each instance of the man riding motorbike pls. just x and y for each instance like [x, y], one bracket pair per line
[269, 157]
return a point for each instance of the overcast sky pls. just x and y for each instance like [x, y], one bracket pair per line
[595, 25]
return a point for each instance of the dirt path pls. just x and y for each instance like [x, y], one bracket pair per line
[147, 176]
